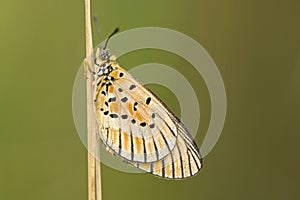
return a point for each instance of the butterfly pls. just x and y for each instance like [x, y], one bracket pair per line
[135, 125]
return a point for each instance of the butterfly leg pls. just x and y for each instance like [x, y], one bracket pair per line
[87, 67]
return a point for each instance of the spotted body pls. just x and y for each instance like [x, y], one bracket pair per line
[136, 126]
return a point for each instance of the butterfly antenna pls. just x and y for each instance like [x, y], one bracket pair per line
[96, 22]
[113, 33]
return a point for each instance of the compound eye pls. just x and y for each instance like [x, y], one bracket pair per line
[104, 54]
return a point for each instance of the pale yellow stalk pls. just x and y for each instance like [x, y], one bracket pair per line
[94, 170]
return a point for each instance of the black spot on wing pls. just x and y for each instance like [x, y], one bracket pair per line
[134, 106]
[124, 116]
[113, 99]
[132, 87]
[124, 99]
[143, 124]
[151, 126]
[148, 100]
[113, 115]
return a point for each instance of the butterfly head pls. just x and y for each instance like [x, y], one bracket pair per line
[104, 54]
[103, 62]
[104, 59]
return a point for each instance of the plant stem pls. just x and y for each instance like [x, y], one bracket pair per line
[94, 170]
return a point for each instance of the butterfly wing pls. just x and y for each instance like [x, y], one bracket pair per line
[133, 123]
[184, 161]
[136, 126]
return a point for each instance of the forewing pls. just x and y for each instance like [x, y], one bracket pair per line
[132, 122]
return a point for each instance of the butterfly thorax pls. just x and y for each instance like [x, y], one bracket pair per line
[104, 62]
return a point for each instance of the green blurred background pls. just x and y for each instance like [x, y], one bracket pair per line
[255, 44]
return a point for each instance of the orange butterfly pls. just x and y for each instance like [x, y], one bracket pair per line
[135, 125]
